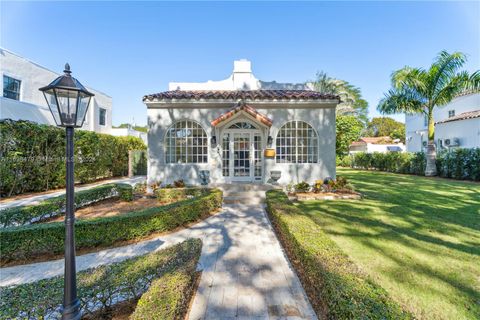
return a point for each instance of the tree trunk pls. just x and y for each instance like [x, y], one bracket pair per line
[431, 168]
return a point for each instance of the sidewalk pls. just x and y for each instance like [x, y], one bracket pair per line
[34, 199]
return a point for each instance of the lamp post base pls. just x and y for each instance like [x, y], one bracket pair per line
[72, 311]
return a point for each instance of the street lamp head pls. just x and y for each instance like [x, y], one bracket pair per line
[67, 99]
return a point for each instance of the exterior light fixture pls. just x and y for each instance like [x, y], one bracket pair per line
[213, 140]
[270, 140]
[68, 101]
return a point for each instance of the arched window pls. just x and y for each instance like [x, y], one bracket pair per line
[297, 142]
[242, 125]
[186, 142]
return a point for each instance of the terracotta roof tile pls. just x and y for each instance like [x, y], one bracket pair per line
[462, 116]
[241, 95]
[243, 107]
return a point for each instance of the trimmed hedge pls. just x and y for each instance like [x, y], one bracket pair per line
[168, 195]
[168, 297]
[99, 289]
[335, 286]
[37, 239]
[463, 164]
[32, 156]
[55, 206]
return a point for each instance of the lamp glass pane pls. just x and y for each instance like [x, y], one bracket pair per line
[83, 103]
[67, 100]
[52, 104]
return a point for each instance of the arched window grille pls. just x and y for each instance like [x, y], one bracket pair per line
[186, 142]
[297, 142]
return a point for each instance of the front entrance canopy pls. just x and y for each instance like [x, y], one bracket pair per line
[245, 108]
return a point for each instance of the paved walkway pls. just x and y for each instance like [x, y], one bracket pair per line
[245, 274]
[34, 199]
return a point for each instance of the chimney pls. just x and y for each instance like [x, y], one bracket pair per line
[242, 66]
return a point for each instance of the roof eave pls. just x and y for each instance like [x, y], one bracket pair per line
[219, 103]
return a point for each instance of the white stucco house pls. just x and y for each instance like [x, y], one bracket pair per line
[240, 129]
[129, 131]
[457, 125]
[21, 99]
[376, 144]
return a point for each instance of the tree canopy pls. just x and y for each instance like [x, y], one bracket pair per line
[348, 129]
[351, 96]
[385, 126]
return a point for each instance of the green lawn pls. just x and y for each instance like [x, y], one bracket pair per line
[419, 238]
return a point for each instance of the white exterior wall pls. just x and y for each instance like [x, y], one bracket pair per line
[124, 132]
[322, 119]
[32, 105]
[467, 131]
[416, 130]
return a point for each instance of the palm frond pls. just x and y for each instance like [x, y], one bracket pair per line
[402, 101]
[445, 67]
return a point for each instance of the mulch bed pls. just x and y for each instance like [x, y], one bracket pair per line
[112, 207]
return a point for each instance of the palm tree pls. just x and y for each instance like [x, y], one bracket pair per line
[416, 90]
[351, 96]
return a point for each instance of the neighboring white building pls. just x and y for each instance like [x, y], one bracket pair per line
[240, 130]
[456, 125]
[122, 132]
[21, 99]
[376, 144]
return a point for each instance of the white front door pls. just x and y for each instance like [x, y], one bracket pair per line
[242, 155]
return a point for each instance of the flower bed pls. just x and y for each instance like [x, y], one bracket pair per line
[100, 289]
[27, 242]
[52, 207]
[327, 189]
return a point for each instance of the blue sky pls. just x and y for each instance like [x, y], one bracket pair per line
[128, 49]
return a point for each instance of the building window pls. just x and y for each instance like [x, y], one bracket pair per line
[297, 142]
[102, 116]
[425, 120]
[11, 88]
[186, 142]
[451, 113]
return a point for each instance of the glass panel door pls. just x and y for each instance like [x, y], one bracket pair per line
[257, 155]
[241, 154]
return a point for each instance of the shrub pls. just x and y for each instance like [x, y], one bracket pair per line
[335, 286]
[55, 206]
[168, 297]
[102, 287]
[168, 195]
[456, 163]
[302, 187]
[179, 184]
[32, 156]
[48, 238]
[125, 191]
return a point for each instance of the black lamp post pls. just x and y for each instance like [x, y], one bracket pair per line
[68, 101]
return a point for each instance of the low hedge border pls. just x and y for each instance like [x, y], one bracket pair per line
[99, 289]
[168, 195]
[335, 286]
[460, 163]
[30, 241]
[55, 206]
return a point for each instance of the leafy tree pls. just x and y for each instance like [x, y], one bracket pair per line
[138, 128]
[385, 126]
[348, 129]
[351, 96]
[417, 90]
